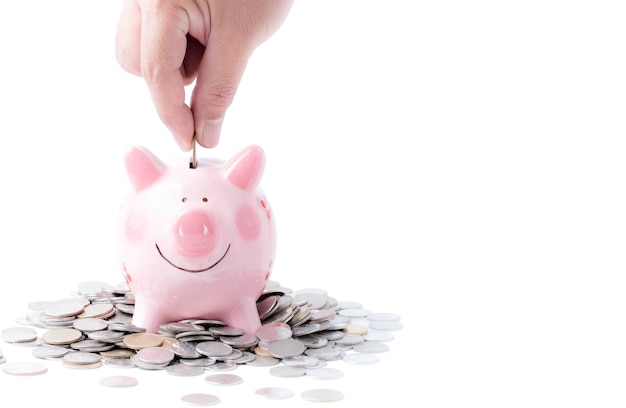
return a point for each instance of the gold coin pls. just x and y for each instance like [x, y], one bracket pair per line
[167, 341]
[62, 336]
[137, 341]
[117, 353]
[355, 329]
[79, 366]
[97, 310]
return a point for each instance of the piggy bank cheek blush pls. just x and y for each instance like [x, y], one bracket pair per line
[248, 222]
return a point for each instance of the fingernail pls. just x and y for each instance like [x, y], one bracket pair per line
[210, 134]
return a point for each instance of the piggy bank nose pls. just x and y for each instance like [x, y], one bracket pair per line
[196, 233]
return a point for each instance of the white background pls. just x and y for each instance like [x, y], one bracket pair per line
[459, 163]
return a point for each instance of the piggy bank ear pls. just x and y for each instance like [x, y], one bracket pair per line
[143, 167]
[245, 168]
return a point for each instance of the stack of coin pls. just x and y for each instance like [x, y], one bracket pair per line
[303, 330]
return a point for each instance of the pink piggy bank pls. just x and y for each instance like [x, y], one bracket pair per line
[196, 243]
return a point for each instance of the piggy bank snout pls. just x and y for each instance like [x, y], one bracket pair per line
[196, 233]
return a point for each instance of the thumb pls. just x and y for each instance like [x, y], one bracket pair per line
[219, 75]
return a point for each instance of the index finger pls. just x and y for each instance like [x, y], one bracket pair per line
[163, 46]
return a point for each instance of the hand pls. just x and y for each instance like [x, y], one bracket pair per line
[171, 43]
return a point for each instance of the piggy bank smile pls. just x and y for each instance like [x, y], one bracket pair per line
[187, 269]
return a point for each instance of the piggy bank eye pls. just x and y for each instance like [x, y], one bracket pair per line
[204, 199]
[184, 200]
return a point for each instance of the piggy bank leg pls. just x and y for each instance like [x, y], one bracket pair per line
[245, 316]
[147, 317]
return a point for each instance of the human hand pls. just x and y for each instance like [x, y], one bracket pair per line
[171, 43]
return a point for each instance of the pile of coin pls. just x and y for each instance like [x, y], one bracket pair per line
[303, 330]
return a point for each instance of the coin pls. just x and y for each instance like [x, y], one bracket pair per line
[119, 381]
[64, 308]
[287, 371]
[379, 317]
[97, 310]
[322, 395]
[138, 341]
[214, 349]
[155, 355]
[62, 336]
[90, 324]
[271, 332]
[49, 352]
[274, 393]
[19, 334]
[184, 370]
[325, 373]
[24, 368]
[286, 348]
[361, 358]
[119, 362]
[200, 399]
[371, 347]
[385, 325]
[224, 379]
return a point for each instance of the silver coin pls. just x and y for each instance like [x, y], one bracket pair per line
[119, 381]
[184, 370]
[385, 326]
[224, 379]
[286, 348]
[179, 327]
[119, 362]
[80, 357]
[352, 313]
[49, 352]
[339, 322]
[19, 334]
[107, 336]
[222, 366]
[197, 362]
[147, 366]
[155, 355]
[313, 341]
[261, 361]
[325, 353]
[322, 395]
[226, 331]
[271, 332]
[325, 373]
[24, 368]
[350, 339]
[379, 336]
[361, 358]
[287, 371]
[125, 327]
[39, 305]
[214, 349]
[349, 304]
[383, 317]
[90, 324]
[3, 360]
[185, 349]
[200, 399]
[65, 308]
[246, 357]
[276, 393]
[315, 300]
[235, 355]
[243, 341]
[301, 361]
[371, 347]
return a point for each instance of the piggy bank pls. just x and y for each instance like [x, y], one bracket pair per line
[196, 243]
